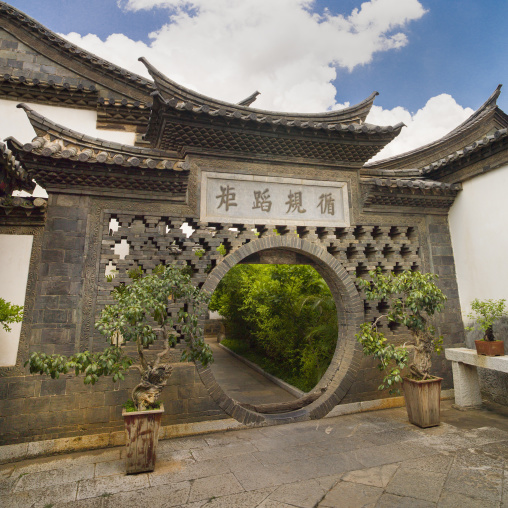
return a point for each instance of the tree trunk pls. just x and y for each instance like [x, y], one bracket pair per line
[422, 361]
[151, 385]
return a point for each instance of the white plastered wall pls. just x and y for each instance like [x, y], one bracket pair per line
[478, 223]
[15, 252]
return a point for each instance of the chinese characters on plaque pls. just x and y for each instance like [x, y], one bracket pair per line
[262, 201]
[271, 200]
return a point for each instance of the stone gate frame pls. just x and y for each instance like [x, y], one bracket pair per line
[346, 359]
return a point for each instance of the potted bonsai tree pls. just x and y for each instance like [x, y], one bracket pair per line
[413, 298]
[140, 315]
[485, 313]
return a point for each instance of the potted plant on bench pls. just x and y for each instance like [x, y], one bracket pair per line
[140, 315]
[485, 313]
[413, 297]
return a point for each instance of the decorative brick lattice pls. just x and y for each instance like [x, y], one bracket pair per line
[154, 239]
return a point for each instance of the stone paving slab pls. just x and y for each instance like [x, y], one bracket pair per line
[376, 460]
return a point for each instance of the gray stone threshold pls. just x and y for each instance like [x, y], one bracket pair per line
[23, 451]
[275, 380]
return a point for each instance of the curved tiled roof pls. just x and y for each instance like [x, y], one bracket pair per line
[47, 91]
[249, 100]
[466, 151]
[423, 184]
[14, 177]
[56, 141]
[60, 158]
[70, 50]
[485, 119]
[25, 203]
[22, 211]
[36, 83]
[282, 119]
[176, 94]
[183, 126]
[414, 193]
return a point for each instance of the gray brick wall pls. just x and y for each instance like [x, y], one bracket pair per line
[18, 59]
[34, 407]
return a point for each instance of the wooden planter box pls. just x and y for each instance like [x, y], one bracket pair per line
[141, 438]
[423, 401]
[489, 347]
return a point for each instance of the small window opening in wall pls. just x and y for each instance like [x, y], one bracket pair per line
[405, 251]
[359, 232]
[382, 307]
[370, 252]
[361, 270]
[113, 225]
[411, 233]
[341, 232]
[393, 326]
[110, 270]
[394, 232]
[352, 252]
[376, 232]
[397, 268]
[388, 251]
[187, 229]
[122, 249]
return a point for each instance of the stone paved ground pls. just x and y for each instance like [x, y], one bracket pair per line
[241, 382]
[371, 459]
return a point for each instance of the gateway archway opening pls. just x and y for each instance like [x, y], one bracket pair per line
[280, 330]
[337, 378]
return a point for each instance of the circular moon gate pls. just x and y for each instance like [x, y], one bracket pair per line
[345, 362]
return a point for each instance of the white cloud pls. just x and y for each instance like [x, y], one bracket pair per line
[229, 48]
[439, 116]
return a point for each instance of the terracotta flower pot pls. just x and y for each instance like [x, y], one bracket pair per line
[423, 401]
[141, 438]
[489, 347]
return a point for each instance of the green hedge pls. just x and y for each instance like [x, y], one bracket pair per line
[281, 317]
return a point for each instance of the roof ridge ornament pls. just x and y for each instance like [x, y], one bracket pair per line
[249, 100]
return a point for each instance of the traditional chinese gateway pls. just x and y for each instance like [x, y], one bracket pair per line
[266, 186]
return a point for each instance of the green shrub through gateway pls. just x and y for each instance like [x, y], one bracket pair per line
[281, 317]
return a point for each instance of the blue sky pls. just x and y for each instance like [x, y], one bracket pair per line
[420, 51]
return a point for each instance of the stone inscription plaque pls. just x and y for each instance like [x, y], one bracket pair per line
[252, 199]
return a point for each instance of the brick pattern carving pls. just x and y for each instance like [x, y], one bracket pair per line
[177, 135]
[155, 239]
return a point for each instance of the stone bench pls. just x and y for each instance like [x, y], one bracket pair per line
[465, 376]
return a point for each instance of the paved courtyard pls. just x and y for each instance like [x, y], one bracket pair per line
[371, 459]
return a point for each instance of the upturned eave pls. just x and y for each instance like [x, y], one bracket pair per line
[487, 119]
[170, 90]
